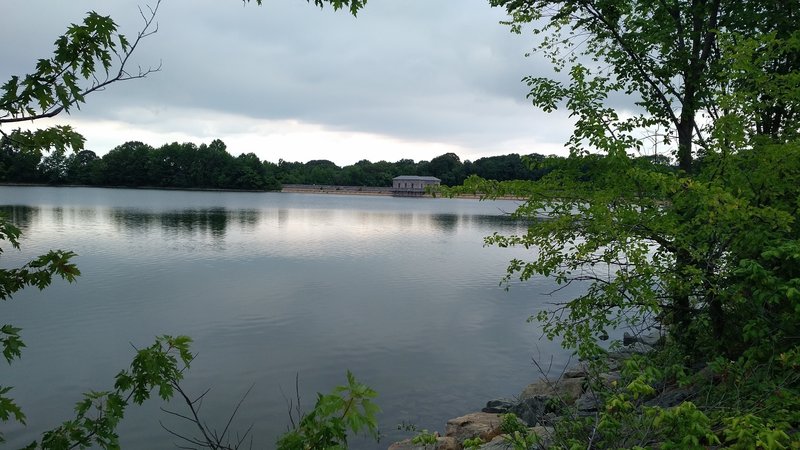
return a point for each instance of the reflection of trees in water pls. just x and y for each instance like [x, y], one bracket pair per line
[446, 222]
[495, 223]
[58, 215]
[85, 214]
[20, 216]
[247, 218]
[451, 222]
[212, 221]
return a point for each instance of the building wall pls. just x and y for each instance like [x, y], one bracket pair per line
[412, 184]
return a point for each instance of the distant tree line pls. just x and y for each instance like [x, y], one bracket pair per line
[135, 164]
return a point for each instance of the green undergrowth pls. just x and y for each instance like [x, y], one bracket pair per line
[729, 405]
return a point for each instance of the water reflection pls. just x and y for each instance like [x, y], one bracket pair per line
[212, 221]
[247, 219]
[497, 222]
[21, 216]
[84, 214]
[446, 222]
[402, 293]
[217, 221]
[58, 216]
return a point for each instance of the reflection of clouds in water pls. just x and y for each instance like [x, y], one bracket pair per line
[271, 285]
[300, 227]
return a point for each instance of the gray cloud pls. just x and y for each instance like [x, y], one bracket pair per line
[422, 70]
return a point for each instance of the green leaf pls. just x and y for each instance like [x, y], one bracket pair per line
[8, 408]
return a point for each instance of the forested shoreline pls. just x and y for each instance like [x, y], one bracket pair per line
[210, 166]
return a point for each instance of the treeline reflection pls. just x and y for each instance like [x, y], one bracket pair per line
[212, 221]
[217, 222]
[20, 216]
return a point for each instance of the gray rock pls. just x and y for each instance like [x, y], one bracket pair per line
[442, 443]
[566, 389]
[588, 402]
[498, 406]
[671, 397]
[651, 336]
[626, 352]
[550, 419]
[609, 378]
[480, 424]
[545, 434]
[498, 443]
[531, 409]
[577, 371]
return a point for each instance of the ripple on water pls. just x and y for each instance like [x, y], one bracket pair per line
[400, 291]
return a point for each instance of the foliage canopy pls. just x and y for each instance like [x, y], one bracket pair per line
[709, 250]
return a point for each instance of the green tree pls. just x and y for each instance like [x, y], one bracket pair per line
[214, 165]
[709, 249]
[53, 168]
[448, 168]
[503, 168]
[321, 171]
[82, 168]
[649, 225]
[129, 164]
[249, 173]
[18, 163]
[83, 62]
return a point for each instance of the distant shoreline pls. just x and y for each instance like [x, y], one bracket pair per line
[151, 188]
[289, 189]
[335, 189]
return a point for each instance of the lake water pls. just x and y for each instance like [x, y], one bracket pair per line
[400, 291]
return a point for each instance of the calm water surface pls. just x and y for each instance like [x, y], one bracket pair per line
[400, 291]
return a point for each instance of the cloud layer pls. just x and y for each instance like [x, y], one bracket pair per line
[406, 79]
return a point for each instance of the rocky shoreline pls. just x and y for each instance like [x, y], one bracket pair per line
[545, 402]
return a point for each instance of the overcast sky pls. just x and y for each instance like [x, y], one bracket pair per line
[405, 79]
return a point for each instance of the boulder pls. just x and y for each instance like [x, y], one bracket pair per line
[550, 419]
[637, 348]
[405, 444]
[577, 371]
[629, 339]
[447, 443]
[442, 443]
[671, 397]
[545, 435]
[584, 370]
[588, 402]
[483, 425]
[609, 378]
[566, 389]
[531, 409]
[499, 443]
[651, 336]
[498, 406]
